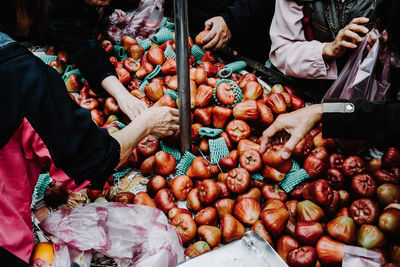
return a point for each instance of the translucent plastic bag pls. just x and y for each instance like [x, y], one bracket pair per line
[360, 257]
[365, 75]
[133, 235]
[139, 24]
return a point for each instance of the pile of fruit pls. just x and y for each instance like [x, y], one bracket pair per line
[344, 200]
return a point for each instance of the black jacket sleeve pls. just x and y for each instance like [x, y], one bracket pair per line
[33, 90]
[375, 122]
[72, 26]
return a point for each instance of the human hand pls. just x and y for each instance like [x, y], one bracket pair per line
[120, 13]
[297, 123]
[373, 37]
[219, 34]
[346, 39]
[131, 106]
[161, 121]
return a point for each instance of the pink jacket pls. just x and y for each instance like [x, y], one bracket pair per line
[290, 52]
[21, 160]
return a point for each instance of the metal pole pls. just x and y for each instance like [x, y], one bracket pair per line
[182, 60]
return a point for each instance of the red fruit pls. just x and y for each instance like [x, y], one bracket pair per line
[89, 103]
[59, 65]
[238, 180]
[209, 191]
[388, 193]
[111, 106]
[224, 190]
[73, 84]
[176, 211]
[165, 101]
[184, 226]
[246, 110]
[297, 103]
[230, 161]
[309, 211]
[320, 153]
[273, 158]
[123, 75]
[364, 211]
[383, 176]
[142, 198]
[134, 159]
[245, 79]
[252, 90]
[231, 228]
[319, 192]
[51, 51]
[237, 130]
[391, 158]
[363, 185]
[247, 210]
[127, 41]
[148, 165]
[272, 174]
[329, 251]
[181, 186]
[251, 161]
[226, 94]
[199, 169]
[245, 145]
[155, 56]
[343, 229]
[224, 206]
[369, 236]
[107, 46]
[206, 216]
[210, 234]
[210, 69]
[193, 201]
[314, 167]
[169, 67]
[308, 233]
[97, 117]
[144, 70]
[271, 191]
[285, 245]
[131, 65]
[276, 102]
[209, 56]
[252, 193]
[196, 249]
[123, 197]
[258, 227]
[164, 163]
[265, 113]
[204, 95]
[353, 165]
[200, 37]
[198, 75]
[156, 183]
[204, 115]
[336, 161]
[302, 257]
[148, 146]
[335, 178]
[297, 192]
[275, 219]
[164, 200]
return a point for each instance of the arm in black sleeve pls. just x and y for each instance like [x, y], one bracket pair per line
[375, 122]
[35, 91]
[72, 26]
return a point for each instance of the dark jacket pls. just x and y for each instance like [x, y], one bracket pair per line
[33, 90]
[375, 122]
[73, 26]
[248, 20]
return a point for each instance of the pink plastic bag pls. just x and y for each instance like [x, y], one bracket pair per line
[133, 235]
[139, 24]
[360, 257]
[365, 75]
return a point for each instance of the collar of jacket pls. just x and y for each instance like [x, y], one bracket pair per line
[5, 39]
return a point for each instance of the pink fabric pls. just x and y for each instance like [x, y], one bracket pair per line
[290, 52]
[21, 160]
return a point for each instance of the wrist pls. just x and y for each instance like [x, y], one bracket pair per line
[327, 51]
[316, 112]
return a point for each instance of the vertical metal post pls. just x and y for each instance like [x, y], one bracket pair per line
[182, 60]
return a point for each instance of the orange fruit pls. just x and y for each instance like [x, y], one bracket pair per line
[43, 251]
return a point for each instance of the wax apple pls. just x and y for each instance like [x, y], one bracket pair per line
[391, 158]
[308, 233]
[164, 200]
[204, 95]
[165, 101]
[369, 236]
[206, 216]
[210, 234]
[272, 174]
[184, 226]
[271, 191]
[319, 192]
[388, 193]
[209, 191]
[303, 256]
[224, 206]
[252, 90]
[89, 103]
[97, 117]
[123, 197]
[59, 65]
[200, 36]
[73, 84]
[209, 56]
[309, 211]
[200, 169]
[142, 198]
[247, 210]
[231, 228]
[230, 161]
[169, 67]
[193, 201]
[384, 176]
[132, 65]
[363, 211]
[198, 75]
[363, 185]
[135, 51]
[238, 180]
[273, 158]
[204, 115]
[335, 178]
[245, 145]
[154, 91]
[275, 219]
[245, 79]
[276, 102]
[107, 46]
[127, 41]
[237, 130]
[329, 251]
[226, 94]
[251, 161]
[148, 146]
[144, 70]
[265, 113]
[353, 165]
[181, 186]
[258, 227]
[196, 249]
[176, 211]
[285, 245]
[343, 229]
[111, 106]
[210, 68]
[164, 163]
[155, 56]
[123, 75]
[246, 110]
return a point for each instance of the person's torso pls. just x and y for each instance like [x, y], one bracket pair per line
[328, 17]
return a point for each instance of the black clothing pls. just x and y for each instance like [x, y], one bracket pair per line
[9, 259]
[33, 90]
[248, 21]
[375, 122]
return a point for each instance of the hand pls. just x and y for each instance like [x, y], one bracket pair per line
[346, 39]
[131, 105]
[373, 37]
[120, 13]
[219, 34]
[161, 121]
[297, 123]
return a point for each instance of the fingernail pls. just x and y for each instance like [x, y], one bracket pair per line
[285, 155]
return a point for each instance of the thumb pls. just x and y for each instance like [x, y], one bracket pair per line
[289, 147]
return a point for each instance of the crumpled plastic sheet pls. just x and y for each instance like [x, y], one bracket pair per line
[133, 235]
[360, 257]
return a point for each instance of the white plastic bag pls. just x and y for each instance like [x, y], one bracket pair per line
[360, 257]
[133, 235]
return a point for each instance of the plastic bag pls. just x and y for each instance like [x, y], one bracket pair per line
[360, 257]
[139, 24]
[131, 234]
[365, 75]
